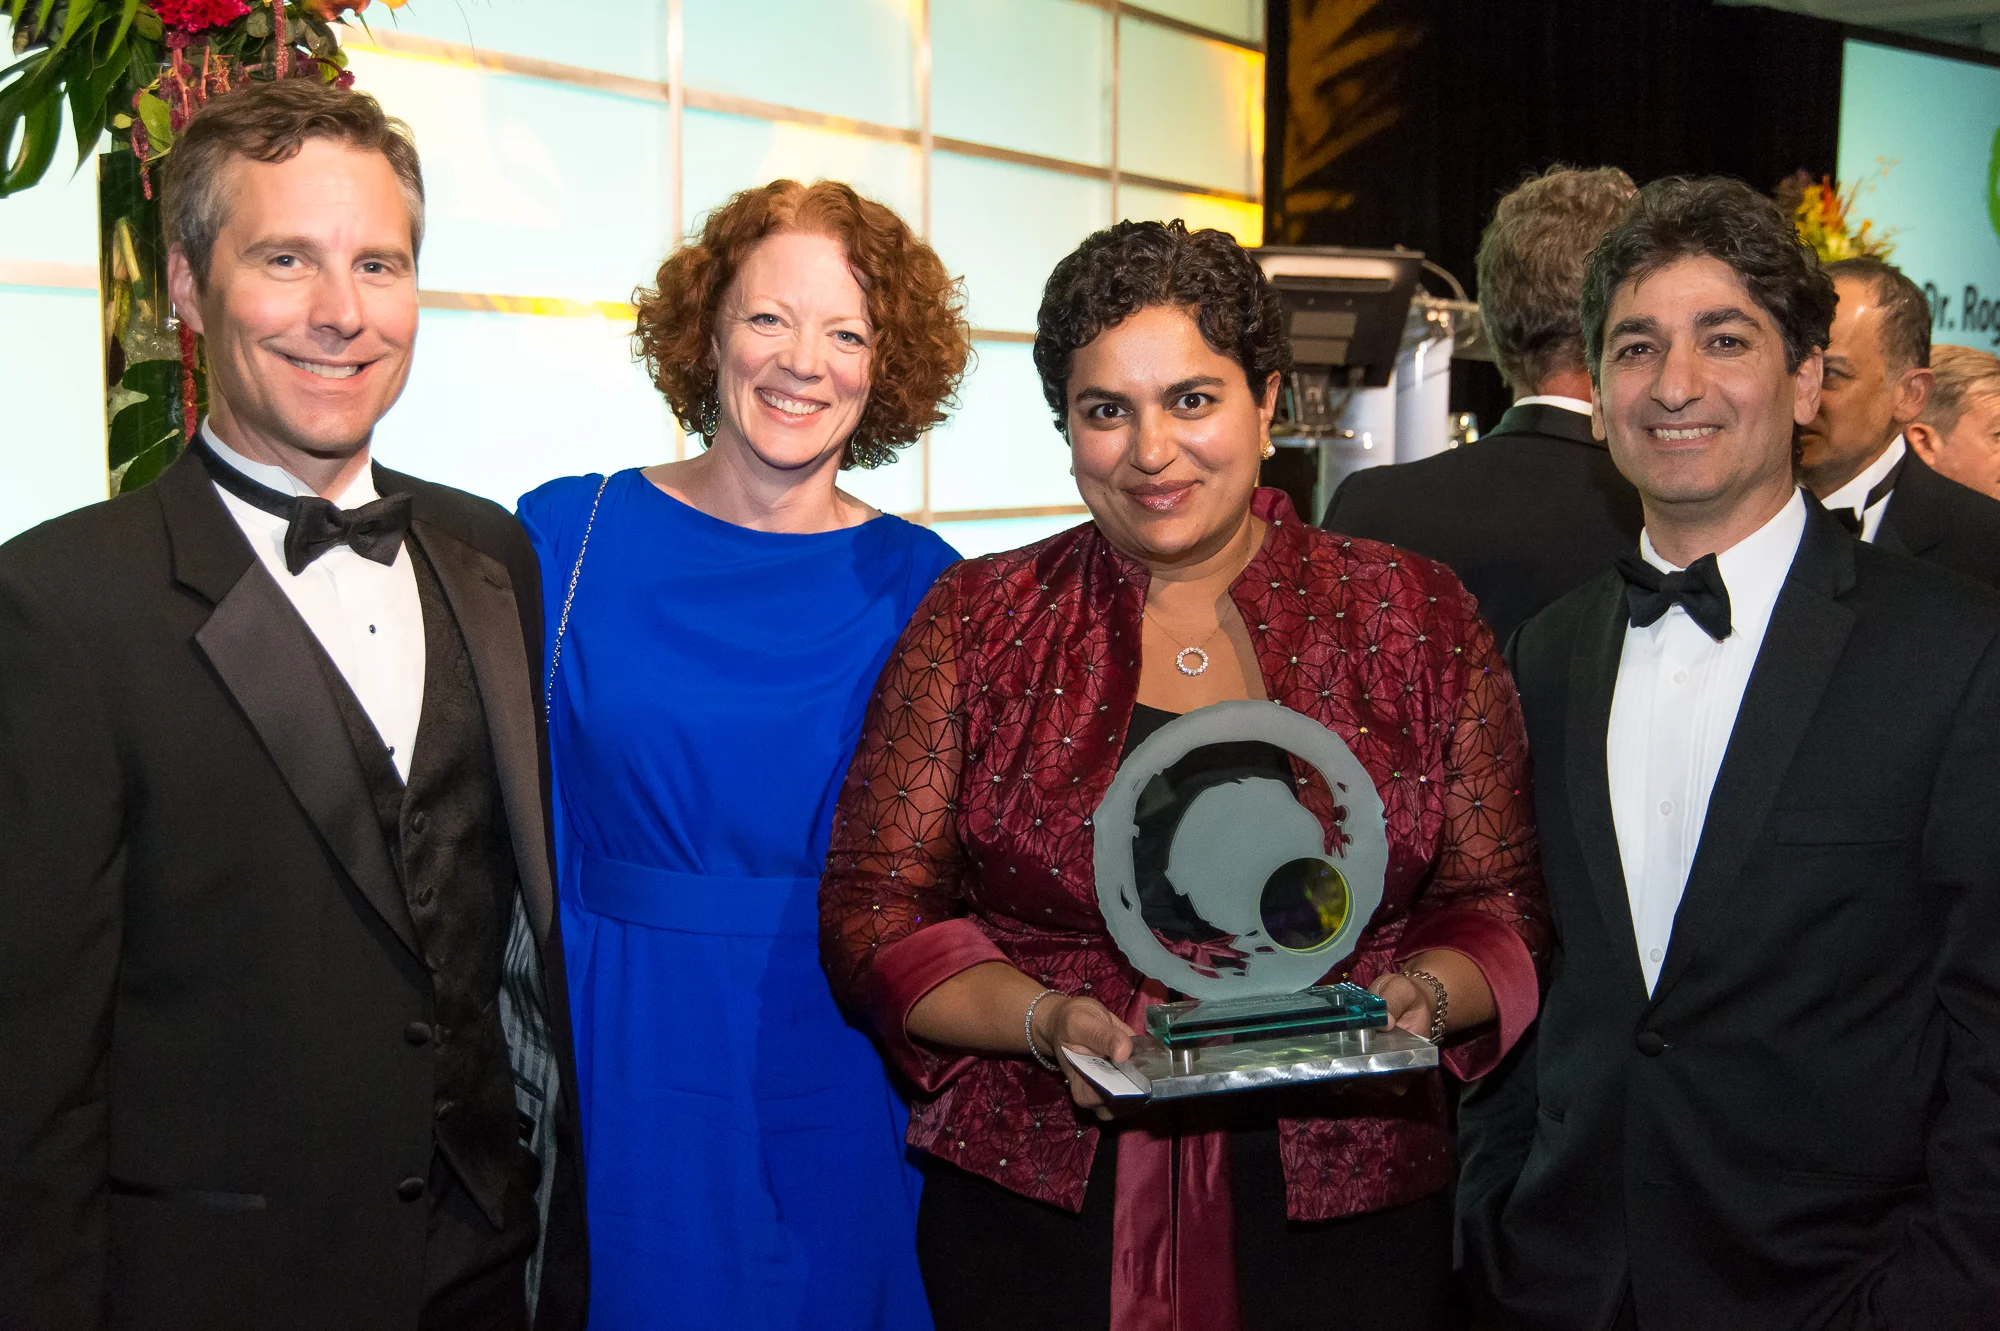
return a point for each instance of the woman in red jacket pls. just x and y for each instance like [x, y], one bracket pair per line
[959, 910]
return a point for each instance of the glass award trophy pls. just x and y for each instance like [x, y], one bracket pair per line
[1215, 881]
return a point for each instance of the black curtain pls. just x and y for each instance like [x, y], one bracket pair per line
[1401, 122]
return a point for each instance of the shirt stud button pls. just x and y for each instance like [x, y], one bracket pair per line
[371, 628]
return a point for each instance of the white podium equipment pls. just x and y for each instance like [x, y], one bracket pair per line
[1371, 355]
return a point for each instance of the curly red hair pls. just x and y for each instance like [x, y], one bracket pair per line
[922, 341]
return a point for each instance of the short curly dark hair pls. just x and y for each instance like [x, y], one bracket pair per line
[1688, 217]
[1133, 266]
[922, 340]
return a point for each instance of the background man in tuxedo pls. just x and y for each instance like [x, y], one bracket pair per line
[1853, 453]
[280, 989]
[1765, 1086]
[1958, 434]
[1534, 507]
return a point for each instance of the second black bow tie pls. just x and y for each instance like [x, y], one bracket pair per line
[314, 525]
[373, 531]
[1697, 589]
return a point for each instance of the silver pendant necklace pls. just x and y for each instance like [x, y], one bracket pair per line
[1181, 657]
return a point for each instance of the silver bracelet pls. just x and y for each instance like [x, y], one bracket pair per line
[1028, 1029]
[1442, 1006]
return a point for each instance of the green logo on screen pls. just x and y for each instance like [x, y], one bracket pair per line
[1993, 184]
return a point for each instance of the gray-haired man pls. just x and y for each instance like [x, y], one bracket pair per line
[1534, 507]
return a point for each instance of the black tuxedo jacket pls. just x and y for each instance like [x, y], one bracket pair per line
[207, 971]
[1522, 516]
[1800, 1127]
[1935, 518]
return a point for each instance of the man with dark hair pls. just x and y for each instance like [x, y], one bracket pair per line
[1855, 455]
[1764, 1090]
[1534, 507]
[280, 983]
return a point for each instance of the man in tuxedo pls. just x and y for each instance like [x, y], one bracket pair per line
[1534, 507]
[1958, 434]
[280, 987]
[1764, 1090]
[1854, 453]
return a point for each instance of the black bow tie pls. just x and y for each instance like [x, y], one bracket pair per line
[1852, 518]
[1698, 589]
[314, 525]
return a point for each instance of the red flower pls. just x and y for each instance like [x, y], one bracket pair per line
[194, 15]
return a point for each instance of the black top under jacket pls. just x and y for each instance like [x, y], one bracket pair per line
[1800, 1127]
[1522, 515]
[239, 1018]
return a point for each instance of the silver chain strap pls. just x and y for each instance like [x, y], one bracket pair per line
[562, 624]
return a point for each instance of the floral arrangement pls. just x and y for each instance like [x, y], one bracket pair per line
[1823, 209]
[143, 66]
[141, 69]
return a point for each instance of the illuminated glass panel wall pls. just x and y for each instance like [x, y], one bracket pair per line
[564, 159]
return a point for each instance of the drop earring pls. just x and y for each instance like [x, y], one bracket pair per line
[1270, 450]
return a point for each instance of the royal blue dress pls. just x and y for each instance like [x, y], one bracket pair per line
[743, 1145]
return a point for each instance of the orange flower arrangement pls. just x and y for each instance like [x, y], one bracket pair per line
[1823, 209]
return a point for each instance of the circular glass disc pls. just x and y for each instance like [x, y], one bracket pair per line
[1305, 904]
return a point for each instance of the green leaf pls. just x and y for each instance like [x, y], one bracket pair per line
[159, 379]
[145, 468]
[79, 10]
[146, 424]
[148, 25]
[124, 26]
[29, 68]
[90, 106]
[41, 126]
[158, 121]
[86, 118]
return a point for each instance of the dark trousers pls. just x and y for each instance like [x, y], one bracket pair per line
[476, 1276]
[993, 1259]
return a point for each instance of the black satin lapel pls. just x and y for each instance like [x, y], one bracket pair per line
[482, 598]
[1802, 647]
[264, 654]
[1592, 681]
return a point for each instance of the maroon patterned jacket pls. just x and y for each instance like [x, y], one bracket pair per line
[963, 832]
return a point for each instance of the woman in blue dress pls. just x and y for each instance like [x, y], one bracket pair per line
[717, 627]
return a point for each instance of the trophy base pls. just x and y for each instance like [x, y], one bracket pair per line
[1248, 1065]
[1156, 1072]
[1324, 1007]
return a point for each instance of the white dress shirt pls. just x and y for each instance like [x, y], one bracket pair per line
[1575, 404]
[1853, 495]
[1671, 716]
[366, 615]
